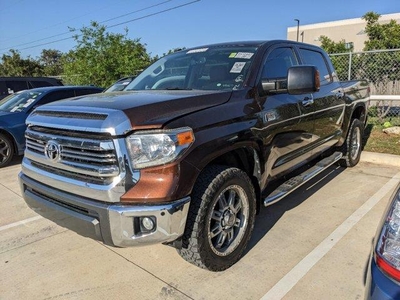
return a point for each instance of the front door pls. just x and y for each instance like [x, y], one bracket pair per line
[287, 129]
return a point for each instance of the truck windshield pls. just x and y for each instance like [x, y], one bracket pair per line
[219, 68]
[19, 101]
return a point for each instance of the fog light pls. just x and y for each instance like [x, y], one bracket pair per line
[148, 223]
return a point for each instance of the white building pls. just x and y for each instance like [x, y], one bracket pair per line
[350, 30]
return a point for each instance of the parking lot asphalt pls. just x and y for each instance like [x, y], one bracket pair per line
[314, 244]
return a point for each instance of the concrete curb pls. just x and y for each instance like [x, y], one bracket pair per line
[381, 158]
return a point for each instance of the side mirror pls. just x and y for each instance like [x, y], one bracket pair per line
[303, 80]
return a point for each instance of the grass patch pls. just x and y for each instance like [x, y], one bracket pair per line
[378, 141]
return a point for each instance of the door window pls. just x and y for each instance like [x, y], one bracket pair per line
[14, 86]
[315, 58]
[81, 92]
[39, 83]
[56, 95]
[278, 62]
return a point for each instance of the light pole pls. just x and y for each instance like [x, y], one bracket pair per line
[298, 25]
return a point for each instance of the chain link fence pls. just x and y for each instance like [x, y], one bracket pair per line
[382, 69]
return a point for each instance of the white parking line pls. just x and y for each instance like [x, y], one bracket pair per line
[283, 286]
[20, 223]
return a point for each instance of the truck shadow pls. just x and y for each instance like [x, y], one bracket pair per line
[367, 133]
[269, 216]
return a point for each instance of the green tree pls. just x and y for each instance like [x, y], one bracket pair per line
[101, 57]
[334, 47]
[50, 59]
[340, 62]
[381, 36]
[12, 64]
[382, 69]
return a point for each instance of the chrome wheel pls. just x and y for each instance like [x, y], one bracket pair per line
[228, 221]
[355, 144]
[352, 147]
[6, 151]
[220, 219]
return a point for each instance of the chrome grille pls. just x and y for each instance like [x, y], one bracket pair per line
[92, 160]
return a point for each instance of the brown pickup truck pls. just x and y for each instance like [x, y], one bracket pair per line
[187, 154]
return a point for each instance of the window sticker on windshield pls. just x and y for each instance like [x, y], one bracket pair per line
[244, 55]
[238, 67]
[28, 102]
[197, 50]
[241, 55]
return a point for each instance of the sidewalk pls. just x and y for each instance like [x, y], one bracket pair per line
[381, 158]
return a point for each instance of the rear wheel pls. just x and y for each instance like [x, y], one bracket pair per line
[220, 220]
[352, 147]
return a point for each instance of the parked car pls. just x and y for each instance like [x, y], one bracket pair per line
[383, 278]
[15, 108]
[120, 84]
[11, 85]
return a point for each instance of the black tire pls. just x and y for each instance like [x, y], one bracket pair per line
[221, 218]
[353, 145]
[6, 150]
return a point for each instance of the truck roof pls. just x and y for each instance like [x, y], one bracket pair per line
[255, 43]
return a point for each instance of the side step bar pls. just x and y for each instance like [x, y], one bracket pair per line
[293, 183]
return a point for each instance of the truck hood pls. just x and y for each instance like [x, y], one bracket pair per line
[150, 107]
[142, 109]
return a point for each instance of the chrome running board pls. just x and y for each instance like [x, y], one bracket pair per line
[293, 183]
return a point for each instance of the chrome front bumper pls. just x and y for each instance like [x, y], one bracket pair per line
[114, 224]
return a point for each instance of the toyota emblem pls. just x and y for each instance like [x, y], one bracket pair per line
[52, 151]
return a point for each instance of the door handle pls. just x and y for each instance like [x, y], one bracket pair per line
[307, 102]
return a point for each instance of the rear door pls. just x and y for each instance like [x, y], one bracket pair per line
[328, 103]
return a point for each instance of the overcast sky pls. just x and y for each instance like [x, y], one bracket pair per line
[26, 25]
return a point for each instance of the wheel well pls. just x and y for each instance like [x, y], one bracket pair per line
[359, 113]
[243, 159]
[7, 134]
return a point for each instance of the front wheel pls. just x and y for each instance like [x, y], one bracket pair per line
[352, 147]
[221, 219]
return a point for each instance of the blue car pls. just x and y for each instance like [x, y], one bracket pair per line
[383, 278]
[15, 108]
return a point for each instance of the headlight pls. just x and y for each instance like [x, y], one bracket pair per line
[153, 148]
[388, 244]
